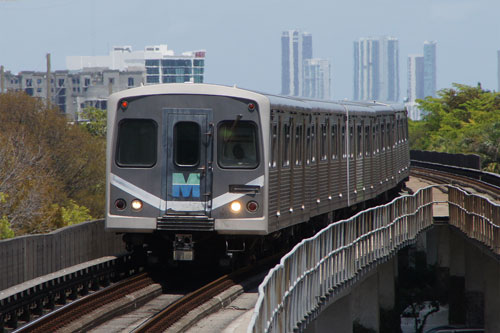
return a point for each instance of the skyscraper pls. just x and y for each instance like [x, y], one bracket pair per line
[376, 69]
[429, 68]
[295, 48]
[316, 78]
[415, 84]
[421, 78]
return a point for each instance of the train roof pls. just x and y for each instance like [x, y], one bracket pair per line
[276, 101]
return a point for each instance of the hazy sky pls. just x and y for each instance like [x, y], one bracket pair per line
[242, 38]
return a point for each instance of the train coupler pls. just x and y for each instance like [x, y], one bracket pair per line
[183, 247]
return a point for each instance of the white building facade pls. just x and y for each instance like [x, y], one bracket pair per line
[376, 69]
[296, 47]
[160, 64]
[316, 79]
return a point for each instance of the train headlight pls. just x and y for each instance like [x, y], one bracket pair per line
[136, 205]
[235, 207]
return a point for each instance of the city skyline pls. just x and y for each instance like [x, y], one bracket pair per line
[247, 54]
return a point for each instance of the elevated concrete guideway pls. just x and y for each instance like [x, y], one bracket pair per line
[346, 273]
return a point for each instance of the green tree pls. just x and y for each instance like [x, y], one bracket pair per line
[5, 227]
[95, 121]
[46, 163]
[462, 119]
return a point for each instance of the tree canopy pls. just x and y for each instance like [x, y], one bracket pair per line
[462, 119]
[50, 170]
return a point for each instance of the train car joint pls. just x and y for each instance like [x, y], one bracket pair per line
[183, 247]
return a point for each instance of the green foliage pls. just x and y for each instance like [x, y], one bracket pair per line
[5, 229]
[96, 123]
[73, 213]
[463, 119]
[46, 162]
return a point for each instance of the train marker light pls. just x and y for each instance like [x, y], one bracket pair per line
[251, 107]
[252, 206]
[136, 205]
[235, 207]
[124, 105]
[120, 204]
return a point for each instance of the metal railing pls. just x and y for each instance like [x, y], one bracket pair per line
[293, 291]
[476, 216]
[316, 269]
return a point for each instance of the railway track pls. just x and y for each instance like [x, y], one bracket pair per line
[177, 310]
[64, 316]
[449, 176]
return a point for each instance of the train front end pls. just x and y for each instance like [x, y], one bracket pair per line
[186, 169]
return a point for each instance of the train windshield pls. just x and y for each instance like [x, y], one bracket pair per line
[137, 140]
[187, 143]
[237, 144]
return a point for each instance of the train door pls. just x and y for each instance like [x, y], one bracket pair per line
[188, 141]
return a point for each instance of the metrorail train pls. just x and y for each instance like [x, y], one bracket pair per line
[199, 172]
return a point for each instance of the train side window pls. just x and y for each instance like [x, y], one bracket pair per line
[298, 145]
[398, 131]
[334, 146]
[344, 153]
[323, 139]
[187, 143]
[313, 143]
[382, 137]
[367, 147]
[351, 141]
[137, 143]
[237, 144]
[274, 145]
[286, 145]
[308, 145]
[359, 147]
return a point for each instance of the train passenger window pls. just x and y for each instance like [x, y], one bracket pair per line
[308, 145]
[187, 143]
[367, 147]
[237, 144]
[313, 143]
[359, 149]
[136, 143]
[344, 153]
[323, 139]
[274, 146]
[298, 145]
[351, 141]
[334, 147]
[382, 137]
[286, 145]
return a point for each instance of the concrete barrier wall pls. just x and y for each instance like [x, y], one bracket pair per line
[27, 257]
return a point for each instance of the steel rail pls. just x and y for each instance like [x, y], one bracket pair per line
[175, 311]
[63, 316]
[447, 174]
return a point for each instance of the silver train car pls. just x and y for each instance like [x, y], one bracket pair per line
[199, 171]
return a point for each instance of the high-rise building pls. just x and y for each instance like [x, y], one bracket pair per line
[295, 48]
[366, 69]
[415, 84]
[316, 79]
[376, 69]
[421, 78]
[429, 68]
